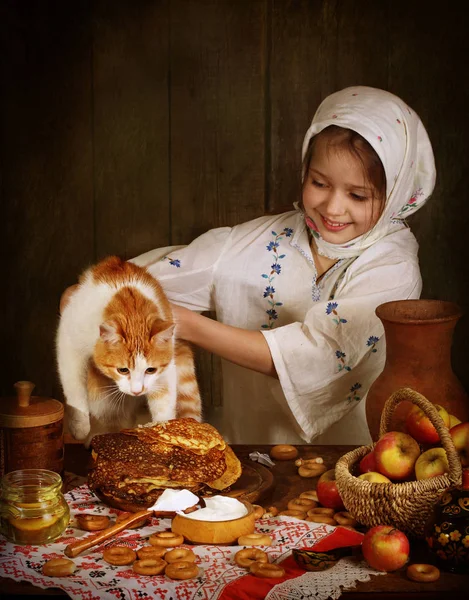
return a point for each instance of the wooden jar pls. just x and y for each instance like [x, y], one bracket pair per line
[215, 532]
[31, 432]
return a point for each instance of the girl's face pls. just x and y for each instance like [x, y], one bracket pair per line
[337, 196]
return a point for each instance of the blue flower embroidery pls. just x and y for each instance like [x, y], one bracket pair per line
[174, 262]
[331, 310]
[372, 341]
[353, 396]
[341, 356]
[276, 269]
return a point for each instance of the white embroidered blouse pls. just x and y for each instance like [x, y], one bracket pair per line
[325, 339]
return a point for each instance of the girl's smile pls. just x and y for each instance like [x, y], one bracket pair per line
[338, 201]
[333, 226]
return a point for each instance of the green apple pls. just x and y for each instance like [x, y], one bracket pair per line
[374, 477]
[431, 463]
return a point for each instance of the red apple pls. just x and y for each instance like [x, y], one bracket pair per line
[374, 477]
[396, 453]
[418, 425]
[431, 463]
[328, 494]
[460, 435]
[385, 548]
[367, 463]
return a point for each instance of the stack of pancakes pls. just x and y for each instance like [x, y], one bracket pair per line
[131, 469]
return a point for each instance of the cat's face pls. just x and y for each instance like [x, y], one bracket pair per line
[135, 359]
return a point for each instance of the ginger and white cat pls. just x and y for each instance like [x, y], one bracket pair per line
[118, 360]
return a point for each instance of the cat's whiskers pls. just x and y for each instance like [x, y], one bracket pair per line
[113, 396]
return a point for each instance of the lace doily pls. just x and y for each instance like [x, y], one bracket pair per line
[321, 585]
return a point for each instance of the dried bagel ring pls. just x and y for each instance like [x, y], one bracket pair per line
[119, 555]
[182, 570]
[245, 558]
[255, 539]
[179, 554]
[151, 552]
[345, 518]
[312, 470]
[167, 539]
[260, 569]
[149, 566]
[283, 452]
[258, 511]
[302, 504]
[423, 572]
[321, 519]
[122, 516]
[310, 495]
[272, 511]
[89, 522]
[59, 567]
[321, 510]
[299, 514]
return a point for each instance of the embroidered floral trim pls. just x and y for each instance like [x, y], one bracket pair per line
[276, 269]
[411, 202]
[174, 262]
[331, 310]
[353, 396]
[341, 365]
[372, 341]
[315, 292]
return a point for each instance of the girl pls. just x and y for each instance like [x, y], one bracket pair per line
[295, 294]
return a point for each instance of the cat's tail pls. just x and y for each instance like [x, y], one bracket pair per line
[188, 402]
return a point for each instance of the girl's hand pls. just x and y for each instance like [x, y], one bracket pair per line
[182, 316]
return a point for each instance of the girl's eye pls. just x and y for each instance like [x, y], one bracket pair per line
[150, 370]
[357, 196]
[123, 370]
[318, 184]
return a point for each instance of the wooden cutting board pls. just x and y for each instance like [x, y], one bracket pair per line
[255, 483]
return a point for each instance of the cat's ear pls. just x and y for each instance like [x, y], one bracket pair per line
[109, 332]
[161, 332]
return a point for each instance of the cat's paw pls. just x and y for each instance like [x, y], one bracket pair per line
[78, 423]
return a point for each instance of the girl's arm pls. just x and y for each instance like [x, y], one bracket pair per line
[240, 346]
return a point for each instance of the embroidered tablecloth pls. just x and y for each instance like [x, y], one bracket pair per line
[219, 577]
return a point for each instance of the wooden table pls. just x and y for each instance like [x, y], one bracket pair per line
[288, 485]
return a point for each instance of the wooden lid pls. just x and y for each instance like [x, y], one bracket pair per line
[29, 411]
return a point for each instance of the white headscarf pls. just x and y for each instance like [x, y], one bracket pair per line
[399, 138]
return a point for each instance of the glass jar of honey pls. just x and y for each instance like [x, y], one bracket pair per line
[33, 509]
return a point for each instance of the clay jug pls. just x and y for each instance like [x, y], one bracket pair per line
[418, 336]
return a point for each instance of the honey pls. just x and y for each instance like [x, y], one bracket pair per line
[33, 509]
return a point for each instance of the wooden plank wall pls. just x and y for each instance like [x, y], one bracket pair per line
[128, 125]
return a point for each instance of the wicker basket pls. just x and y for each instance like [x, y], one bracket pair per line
[407, 505]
